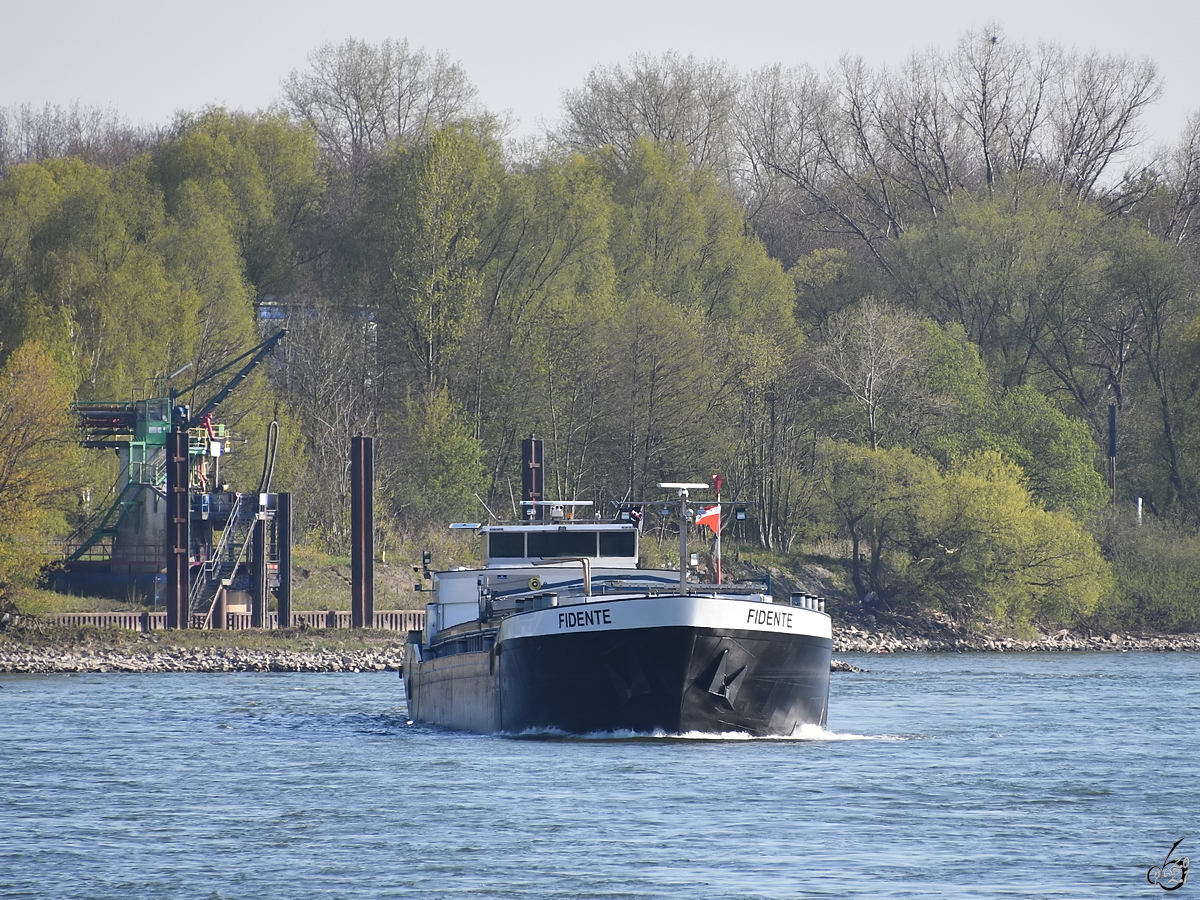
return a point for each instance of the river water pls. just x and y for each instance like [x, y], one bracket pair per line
[942, 775]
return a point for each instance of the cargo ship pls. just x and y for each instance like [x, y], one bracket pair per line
[560, 631]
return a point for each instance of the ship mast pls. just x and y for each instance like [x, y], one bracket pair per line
[683, 488]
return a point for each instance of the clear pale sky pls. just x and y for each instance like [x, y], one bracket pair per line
[148, 58]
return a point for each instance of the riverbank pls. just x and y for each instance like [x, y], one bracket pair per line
[179, 659]
[58, 650]
[936, 633]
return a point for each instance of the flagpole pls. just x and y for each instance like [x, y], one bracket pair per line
[717, 543]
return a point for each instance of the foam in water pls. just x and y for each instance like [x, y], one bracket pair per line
[807, 733]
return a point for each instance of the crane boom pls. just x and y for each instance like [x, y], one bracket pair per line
[256, 354]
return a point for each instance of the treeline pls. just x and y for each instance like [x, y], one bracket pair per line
[891, 307]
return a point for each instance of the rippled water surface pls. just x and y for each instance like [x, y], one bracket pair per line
[997, 775]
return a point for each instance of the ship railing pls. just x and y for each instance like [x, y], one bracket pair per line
[575, 592]
[572, 593]
[749, 591]
[746, 588]
[453, 642]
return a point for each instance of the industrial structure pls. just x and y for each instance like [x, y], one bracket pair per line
[176, 534]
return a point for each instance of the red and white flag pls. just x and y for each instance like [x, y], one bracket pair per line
[710, 517]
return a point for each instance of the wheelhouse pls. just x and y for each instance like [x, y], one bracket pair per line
[523, 545]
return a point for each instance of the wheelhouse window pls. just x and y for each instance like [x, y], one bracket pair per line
[618, 543]
[506, 545]
[550, 544]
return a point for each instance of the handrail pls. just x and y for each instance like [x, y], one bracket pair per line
[215, 563]
[585, 561]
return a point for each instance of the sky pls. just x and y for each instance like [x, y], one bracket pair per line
[147, 59]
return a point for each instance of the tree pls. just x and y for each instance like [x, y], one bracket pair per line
[430, 465]
[662, 400]
[677, 233]
[954, 396]
[878, 498]
[766, 446]
[1094, 116]
[259, 174]
[326, 370]
[1156, 563]
[38, 462]
[420, 233]
[672, 101]
[971, 541]
[828, 280]
[85, 277]
[1170, 198]
[94, 134]
[1056, 453]
[989, 550]
[547, 279]
[1157, 299]
[867, 153]
[215, 304]
[28, 194]
[1021, 279]
[870, 354]
[359, 98]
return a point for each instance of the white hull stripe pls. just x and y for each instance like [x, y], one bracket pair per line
[717, 613]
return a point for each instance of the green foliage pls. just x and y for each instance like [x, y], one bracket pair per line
[547, 279]
[957, 391]
[1017, 276]
[1056, 453]
[827, 281]
[38, 460]
[1150, 365]
[878, 498]
[430, 468]
[1157, 568]
[421, 227]
[451, 300]
[971, 541]
[257, 174]
[655, 392]
[678, 234]
[912, 383]
[84, 280]
[895, 379]
[993, 544]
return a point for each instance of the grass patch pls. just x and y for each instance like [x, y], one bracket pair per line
[42, 604]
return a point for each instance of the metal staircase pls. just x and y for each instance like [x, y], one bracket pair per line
[228, 554]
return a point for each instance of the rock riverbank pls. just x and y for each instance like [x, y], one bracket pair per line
[885, 639]
[190, 659]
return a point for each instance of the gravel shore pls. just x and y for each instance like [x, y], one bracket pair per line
[190, 659]
[855, 639]
[881, 638]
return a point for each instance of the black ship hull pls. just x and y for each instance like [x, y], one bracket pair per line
[671, 665]
[674, 680]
